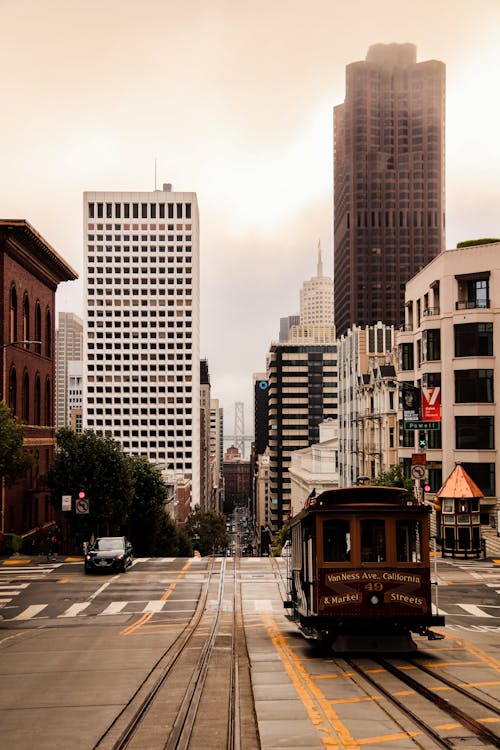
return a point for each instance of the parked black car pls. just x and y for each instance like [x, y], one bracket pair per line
[109, 553]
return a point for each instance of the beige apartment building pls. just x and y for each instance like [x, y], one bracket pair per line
[451, 339]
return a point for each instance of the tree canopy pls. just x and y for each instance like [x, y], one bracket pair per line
[394, 477]
[126, 494]
[207, 531]
[95, 465]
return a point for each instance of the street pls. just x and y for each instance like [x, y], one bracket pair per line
[74, 648]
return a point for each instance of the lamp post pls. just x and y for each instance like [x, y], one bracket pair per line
[3, 347]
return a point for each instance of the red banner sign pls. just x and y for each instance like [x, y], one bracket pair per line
[431, 404]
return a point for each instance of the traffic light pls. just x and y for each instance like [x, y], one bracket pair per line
[422, 439]
[437, 504]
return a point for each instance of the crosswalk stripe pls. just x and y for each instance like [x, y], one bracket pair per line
[75, 609]
[7, 587]
[31, 611]
[154, 606]
[474, 610]
[114, 608]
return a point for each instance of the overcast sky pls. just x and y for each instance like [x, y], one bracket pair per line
[234, 100]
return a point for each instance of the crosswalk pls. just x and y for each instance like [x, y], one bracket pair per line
[79, 609]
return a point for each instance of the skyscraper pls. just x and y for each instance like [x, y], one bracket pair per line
[389, 182]
[302, 383]
[142, 361]
[69, 348]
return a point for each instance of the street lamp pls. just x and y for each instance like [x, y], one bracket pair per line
[4, 399]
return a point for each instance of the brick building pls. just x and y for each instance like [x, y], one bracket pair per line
[30, 272]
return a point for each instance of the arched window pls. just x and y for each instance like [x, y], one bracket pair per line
[48, 334]
[12, 394]
[38, 400]
[13, 314]
[48, 404]
[25, 398]
[26, 318]
[38, 327]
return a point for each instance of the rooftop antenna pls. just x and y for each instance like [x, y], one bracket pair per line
[155, 172]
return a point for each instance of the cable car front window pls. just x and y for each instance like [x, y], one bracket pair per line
[336, 541]
[409, 541]
[373, 541]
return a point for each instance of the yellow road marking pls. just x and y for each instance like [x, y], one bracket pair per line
[144, 618]
[132, 628]
[16, 562]
[63, 580]
[320, 711]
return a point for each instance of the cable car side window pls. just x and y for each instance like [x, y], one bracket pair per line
[373, 540]
[409, 541]
[336, 541]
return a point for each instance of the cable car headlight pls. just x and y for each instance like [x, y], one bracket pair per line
[375, 600]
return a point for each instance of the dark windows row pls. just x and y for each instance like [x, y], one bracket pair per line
[139, 210]
[470, 339]
[33, 406]
[393, 218]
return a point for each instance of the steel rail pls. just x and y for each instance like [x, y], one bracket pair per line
[164, 666]
[181, 731]
[430, 731]
[457, 713]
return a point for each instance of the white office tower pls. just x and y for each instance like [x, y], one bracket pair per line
[142, 358]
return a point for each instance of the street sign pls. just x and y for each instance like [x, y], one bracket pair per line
[66, 502]
[421, 425]
[419, 458]
[417, 471]
[82, 505]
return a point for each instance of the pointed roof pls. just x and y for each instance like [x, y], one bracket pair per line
[320, 261]
[459, 484]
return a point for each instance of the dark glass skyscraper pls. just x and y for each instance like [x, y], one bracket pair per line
[389, 182]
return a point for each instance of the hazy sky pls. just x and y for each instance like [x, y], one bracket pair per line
[234, 100]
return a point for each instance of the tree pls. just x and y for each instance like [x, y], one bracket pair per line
[14, 461]
[95, 465]
[207, 531]
[149, 531]
[394, 477]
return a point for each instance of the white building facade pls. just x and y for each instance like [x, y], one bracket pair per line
[315, 468]
[359, 351]
[451, 340]
[142, 349]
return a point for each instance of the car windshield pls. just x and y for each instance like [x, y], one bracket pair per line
[108, 544]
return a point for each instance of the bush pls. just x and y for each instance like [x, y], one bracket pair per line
[11, 543]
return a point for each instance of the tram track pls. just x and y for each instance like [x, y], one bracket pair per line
[426, 700]
[191, 698]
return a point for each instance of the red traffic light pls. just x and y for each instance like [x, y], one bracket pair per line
[427, 488]
[81, 494]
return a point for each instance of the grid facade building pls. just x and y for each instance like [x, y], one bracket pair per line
[389, 182]
[142, 363]
[69, 348]
[302, 394]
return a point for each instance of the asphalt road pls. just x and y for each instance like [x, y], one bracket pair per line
[73, 647]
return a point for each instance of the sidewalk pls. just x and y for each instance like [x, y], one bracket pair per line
[20, 559]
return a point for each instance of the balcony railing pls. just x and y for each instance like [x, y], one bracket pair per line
[466, 304]
[430, 311]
